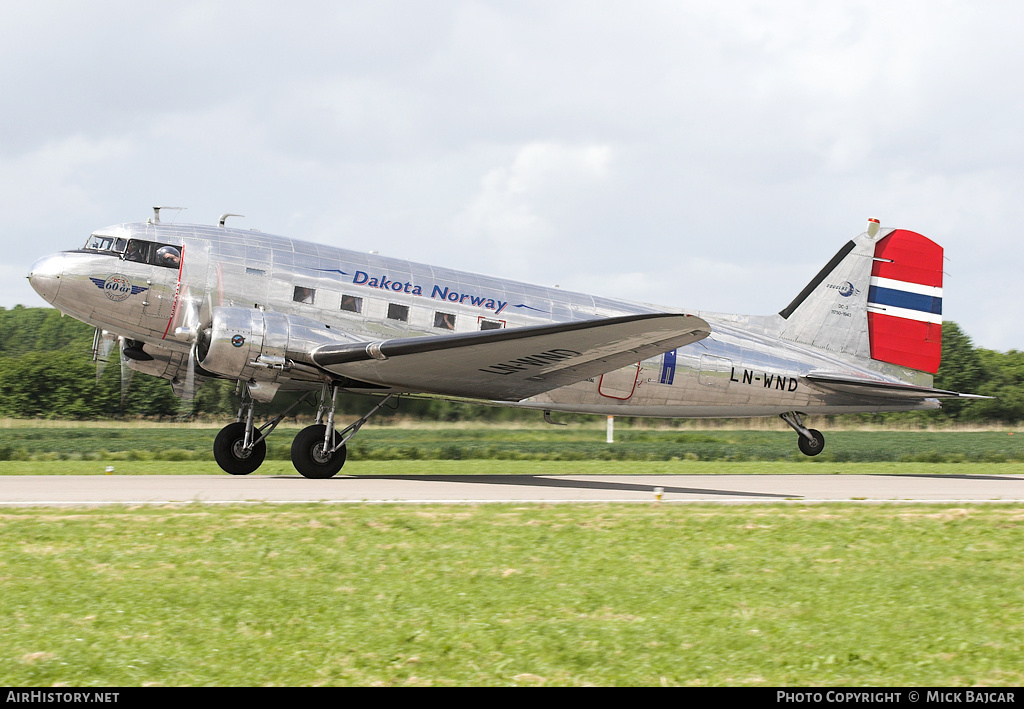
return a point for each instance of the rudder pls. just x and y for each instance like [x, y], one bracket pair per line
[905, 301]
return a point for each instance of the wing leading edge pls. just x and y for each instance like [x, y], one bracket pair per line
[512, 364]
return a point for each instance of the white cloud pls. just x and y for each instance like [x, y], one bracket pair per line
[594, 143]
[56, 179]
[516, 217]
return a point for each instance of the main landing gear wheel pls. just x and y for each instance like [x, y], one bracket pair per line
[230, 453]
[309, 456]
[811, 447]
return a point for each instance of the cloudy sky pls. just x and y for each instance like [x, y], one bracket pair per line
[696, 154]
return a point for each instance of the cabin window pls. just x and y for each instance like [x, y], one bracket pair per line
[398, 312]
[445, 321]
[486, 324]
[351, 303]
[304, 295]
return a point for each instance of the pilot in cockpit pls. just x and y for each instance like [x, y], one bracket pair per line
[168, 256]
[135, 252]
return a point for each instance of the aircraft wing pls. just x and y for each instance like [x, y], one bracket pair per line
[881, 388]
[515, 363]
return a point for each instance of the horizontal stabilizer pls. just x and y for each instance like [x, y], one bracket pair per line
[881, 388]
[515, 363]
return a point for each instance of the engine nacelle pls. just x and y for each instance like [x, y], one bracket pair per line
[255, 345]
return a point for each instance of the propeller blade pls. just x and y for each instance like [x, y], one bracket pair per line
[102, 357]
[188, 387]
[126, 372]
[186, 390]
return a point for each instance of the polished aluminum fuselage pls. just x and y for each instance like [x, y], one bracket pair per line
[744, 368]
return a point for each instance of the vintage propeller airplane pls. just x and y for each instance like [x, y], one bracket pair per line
[192, 302]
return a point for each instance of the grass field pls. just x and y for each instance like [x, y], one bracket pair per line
[823, 595]
[548, 443]
[597, 594]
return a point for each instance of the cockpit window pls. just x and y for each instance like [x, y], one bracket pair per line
[152, 253]
[168, 256]
[108, 244]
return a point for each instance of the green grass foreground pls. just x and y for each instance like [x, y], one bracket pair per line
[821, 595]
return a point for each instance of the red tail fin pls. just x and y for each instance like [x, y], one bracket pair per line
[905, 301]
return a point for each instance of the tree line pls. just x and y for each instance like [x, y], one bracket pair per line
[46, 372]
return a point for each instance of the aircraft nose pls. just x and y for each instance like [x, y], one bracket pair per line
[45, 276]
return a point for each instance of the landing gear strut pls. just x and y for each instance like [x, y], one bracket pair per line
[319, 451]
[810, 441]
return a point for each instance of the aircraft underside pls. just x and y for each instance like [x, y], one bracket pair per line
[320, 450]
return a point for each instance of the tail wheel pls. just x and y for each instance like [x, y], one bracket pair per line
[811, 447]
[230, 453]
[310, 457]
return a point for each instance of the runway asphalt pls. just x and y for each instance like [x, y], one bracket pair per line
[79, 490]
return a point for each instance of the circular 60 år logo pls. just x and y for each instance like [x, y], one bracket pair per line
[117, 287]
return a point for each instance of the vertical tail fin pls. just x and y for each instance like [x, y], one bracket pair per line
[879, 298]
